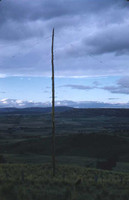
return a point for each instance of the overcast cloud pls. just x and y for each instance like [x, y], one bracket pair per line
[91, 37]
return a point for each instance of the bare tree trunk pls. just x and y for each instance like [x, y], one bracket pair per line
[53, 106]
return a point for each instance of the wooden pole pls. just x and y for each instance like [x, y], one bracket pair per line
[53, 105]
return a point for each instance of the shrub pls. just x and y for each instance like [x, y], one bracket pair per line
[2, 159]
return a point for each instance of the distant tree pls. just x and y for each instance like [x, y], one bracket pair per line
[108, 164]
[2, 159]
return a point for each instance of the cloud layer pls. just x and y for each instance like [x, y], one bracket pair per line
[91, 37]
[21, 103]
[4, 103]
[122, 86]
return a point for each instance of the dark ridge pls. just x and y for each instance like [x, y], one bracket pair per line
[94, 112]
[33, 110]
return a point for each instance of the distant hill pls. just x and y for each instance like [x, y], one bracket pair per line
[94, 112]
[69, 111]
[33, 110]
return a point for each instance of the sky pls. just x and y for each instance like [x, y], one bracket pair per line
[91, 53]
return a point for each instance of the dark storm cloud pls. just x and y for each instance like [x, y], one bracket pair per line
[112, 39]
[15, 16]
[2, 92]
[83, 28]
[113, 98]
[122, 86]
[79, 87]
[124, 82]
[96, 83]
[14, 31]
[33, 10]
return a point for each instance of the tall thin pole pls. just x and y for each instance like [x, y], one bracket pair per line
[53, 105]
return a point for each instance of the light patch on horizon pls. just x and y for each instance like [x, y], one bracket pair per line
[5, 103]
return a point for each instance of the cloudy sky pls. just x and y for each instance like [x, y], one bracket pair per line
[91, 52]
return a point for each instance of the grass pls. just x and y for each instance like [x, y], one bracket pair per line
[35, 182]
[39, 159]
[69, 160]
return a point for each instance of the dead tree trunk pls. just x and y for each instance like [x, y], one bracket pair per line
[53, 105]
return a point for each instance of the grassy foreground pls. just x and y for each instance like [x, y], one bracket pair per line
[35, 182]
